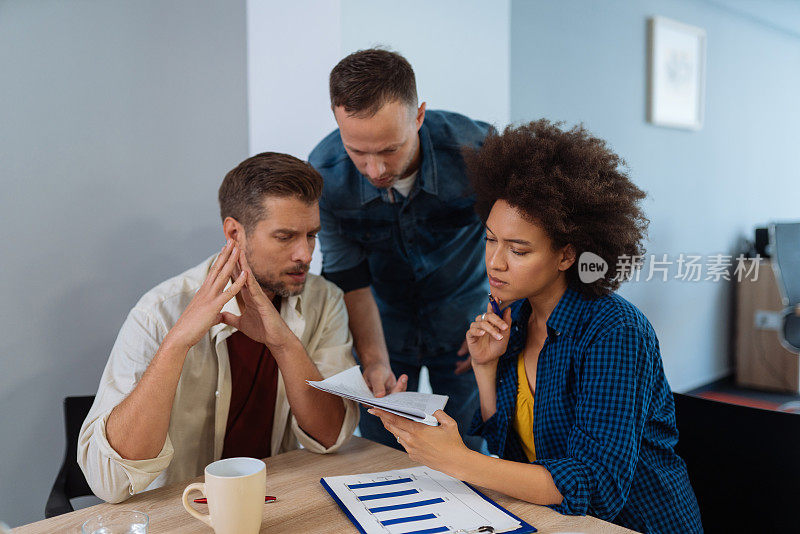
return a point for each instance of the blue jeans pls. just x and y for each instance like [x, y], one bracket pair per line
[463, 402]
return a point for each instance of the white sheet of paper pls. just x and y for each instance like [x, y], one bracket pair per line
[416, 499]
[409, 404]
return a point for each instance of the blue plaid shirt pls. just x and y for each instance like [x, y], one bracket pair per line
[604, 419]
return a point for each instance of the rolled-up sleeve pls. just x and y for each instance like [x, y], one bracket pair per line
[615, 382]
[110, 476]
[332, 355]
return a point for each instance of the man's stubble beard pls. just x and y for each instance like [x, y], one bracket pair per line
[276, 287]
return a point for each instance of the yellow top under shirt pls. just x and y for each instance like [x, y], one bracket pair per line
[523, 417]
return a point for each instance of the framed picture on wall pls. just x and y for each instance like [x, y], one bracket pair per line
[676, 82]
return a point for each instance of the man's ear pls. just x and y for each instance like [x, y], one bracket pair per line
[420, 115]
[234, 231]
[567, 257]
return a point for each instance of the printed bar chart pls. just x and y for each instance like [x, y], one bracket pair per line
[418, 500]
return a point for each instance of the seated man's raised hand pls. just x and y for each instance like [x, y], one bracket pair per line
[203, 311]
[259, 319]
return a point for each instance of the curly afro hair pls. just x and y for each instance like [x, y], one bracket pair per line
[571, 185]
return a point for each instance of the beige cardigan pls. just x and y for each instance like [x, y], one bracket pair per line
[318, 317]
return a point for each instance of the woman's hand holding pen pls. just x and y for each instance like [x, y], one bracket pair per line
[487, 337]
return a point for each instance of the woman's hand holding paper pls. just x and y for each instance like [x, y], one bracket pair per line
[439, 447]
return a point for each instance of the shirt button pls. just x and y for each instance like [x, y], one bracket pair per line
[558, 333]
[216, 393]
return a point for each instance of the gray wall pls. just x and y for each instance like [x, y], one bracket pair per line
[118, 121]
[582, 60]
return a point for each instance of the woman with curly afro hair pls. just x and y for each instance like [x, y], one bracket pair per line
[573, 396]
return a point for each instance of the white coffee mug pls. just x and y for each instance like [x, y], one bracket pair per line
[235, 489]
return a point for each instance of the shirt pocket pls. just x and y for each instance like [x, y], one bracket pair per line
[372, 236]
[446, 225]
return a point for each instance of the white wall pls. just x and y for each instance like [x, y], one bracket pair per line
[291, 48]
[118, 121]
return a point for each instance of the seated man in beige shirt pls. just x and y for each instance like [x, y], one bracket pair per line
[197, 375]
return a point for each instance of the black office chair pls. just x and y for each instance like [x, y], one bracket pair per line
[70, 481]
[743, 462]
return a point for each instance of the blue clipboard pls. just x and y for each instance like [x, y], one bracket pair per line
[525, 528]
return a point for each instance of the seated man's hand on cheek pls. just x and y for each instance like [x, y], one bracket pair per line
[203, 311]
[259, 319]
[439, 447]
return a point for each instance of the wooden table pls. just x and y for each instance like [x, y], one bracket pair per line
[303, 505]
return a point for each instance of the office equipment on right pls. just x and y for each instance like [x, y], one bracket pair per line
[767, 341]
[784, 239]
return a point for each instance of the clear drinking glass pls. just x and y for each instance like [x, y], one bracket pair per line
[117, 522]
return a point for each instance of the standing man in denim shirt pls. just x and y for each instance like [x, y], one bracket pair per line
[399, 233]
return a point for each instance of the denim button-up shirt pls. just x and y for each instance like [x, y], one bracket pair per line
[604, 418]
[422, 254]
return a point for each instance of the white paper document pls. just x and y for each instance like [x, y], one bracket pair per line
[417, 500]
[409, 404]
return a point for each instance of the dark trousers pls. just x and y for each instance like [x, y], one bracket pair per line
[463, 402]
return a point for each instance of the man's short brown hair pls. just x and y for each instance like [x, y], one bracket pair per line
[366, 80]
[268, 174]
